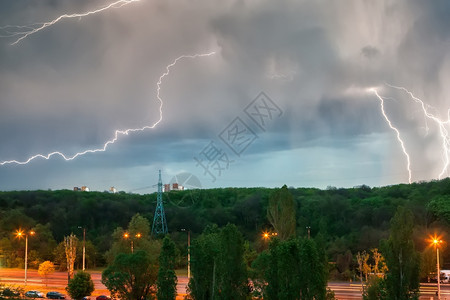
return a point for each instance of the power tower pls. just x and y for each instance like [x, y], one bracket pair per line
[159, 220]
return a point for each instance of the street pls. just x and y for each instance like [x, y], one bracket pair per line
[58, 281]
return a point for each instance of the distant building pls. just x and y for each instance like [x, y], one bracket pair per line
[174, 187]
[112, 190]
[82, 189]
[166, 187]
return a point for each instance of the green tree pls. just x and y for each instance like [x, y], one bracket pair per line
[428, 263]
[203, 264]
[313, 271]
[131, 276]
[167, 279]
[281, 213]
[137, 237]
[402, 260]
[376, 289]
[231, 273]
[45, 269]
[80, 285]
[289, 270]
[217, 265]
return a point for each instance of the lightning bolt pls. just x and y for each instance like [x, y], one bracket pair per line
[397, 132]
[25, 31]
[117, 133]
[442, 124]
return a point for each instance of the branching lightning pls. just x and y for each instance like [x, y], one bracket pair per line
[117, 133]
[442, 125]
[25, 31]
[397, 132]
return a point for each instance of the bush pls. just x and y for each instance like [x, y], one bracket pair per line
[80, 286]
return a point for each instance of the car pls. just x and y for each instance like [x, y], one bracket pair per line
[103, 297]
[55, 295]
[34, 294]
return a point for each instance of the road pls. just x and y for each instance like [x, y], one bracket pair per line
[58, 281]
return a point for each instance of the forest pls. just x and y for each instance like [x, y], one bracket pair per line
[345, 220]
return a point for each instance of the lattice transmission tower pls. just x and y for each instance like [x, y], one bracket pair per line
[159, 220]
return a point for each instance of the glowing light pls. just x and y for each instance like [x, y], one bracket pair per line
[267, 235]
[19, 233]
[402, 144]
[117, 133]
[25, 31]
[435, 240]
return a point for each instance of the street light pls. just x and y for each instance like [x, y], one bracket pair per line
[189, 252]
[267, 235]
[126, 236]
[84, 246]
[20, 234]
[436, 241]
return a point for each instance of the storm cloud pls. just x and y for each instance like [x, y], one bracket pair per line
[70, 86]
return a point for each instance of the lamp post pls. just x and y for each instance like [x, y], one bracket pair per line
[84, 246]
[126, 236]
[436, 242]
[189, 252]
[20, 234]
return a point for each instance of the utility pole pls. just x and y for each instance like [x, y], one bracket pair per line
[84, 247]
[189, 253]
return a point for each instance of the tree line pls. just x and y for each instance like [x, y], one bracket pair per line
[343, 222]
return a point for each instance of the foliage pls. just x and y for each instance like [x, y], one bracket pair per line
[350, 219]
[138, 237]
[217, 265]
[403, 261]
[281, 213]
[313, 271]
[70, 247]
[203, 250]
[167, 279]
[375, 289]
[132, 276]
[10, 292]
[80, 285]
[45, 269]
[362, 259]
[290, 269]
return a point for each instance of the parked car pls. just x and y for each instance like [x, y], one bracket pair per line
[34, 294]
[103, 297]
[55, 295]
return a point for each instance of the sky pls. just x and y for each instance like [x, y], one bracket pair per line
[263, 93]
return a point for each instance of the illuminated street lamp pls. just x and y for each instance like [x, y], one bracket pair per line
[189, 252]
[126, 236]
[20, 234]
[267, 235]
[436, 241]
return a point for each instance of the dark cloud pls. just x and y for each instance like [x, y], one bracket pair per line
[370, 52]
[71, 85]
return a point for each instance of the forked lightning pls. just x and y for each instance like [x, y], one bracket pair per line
[117, 133]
